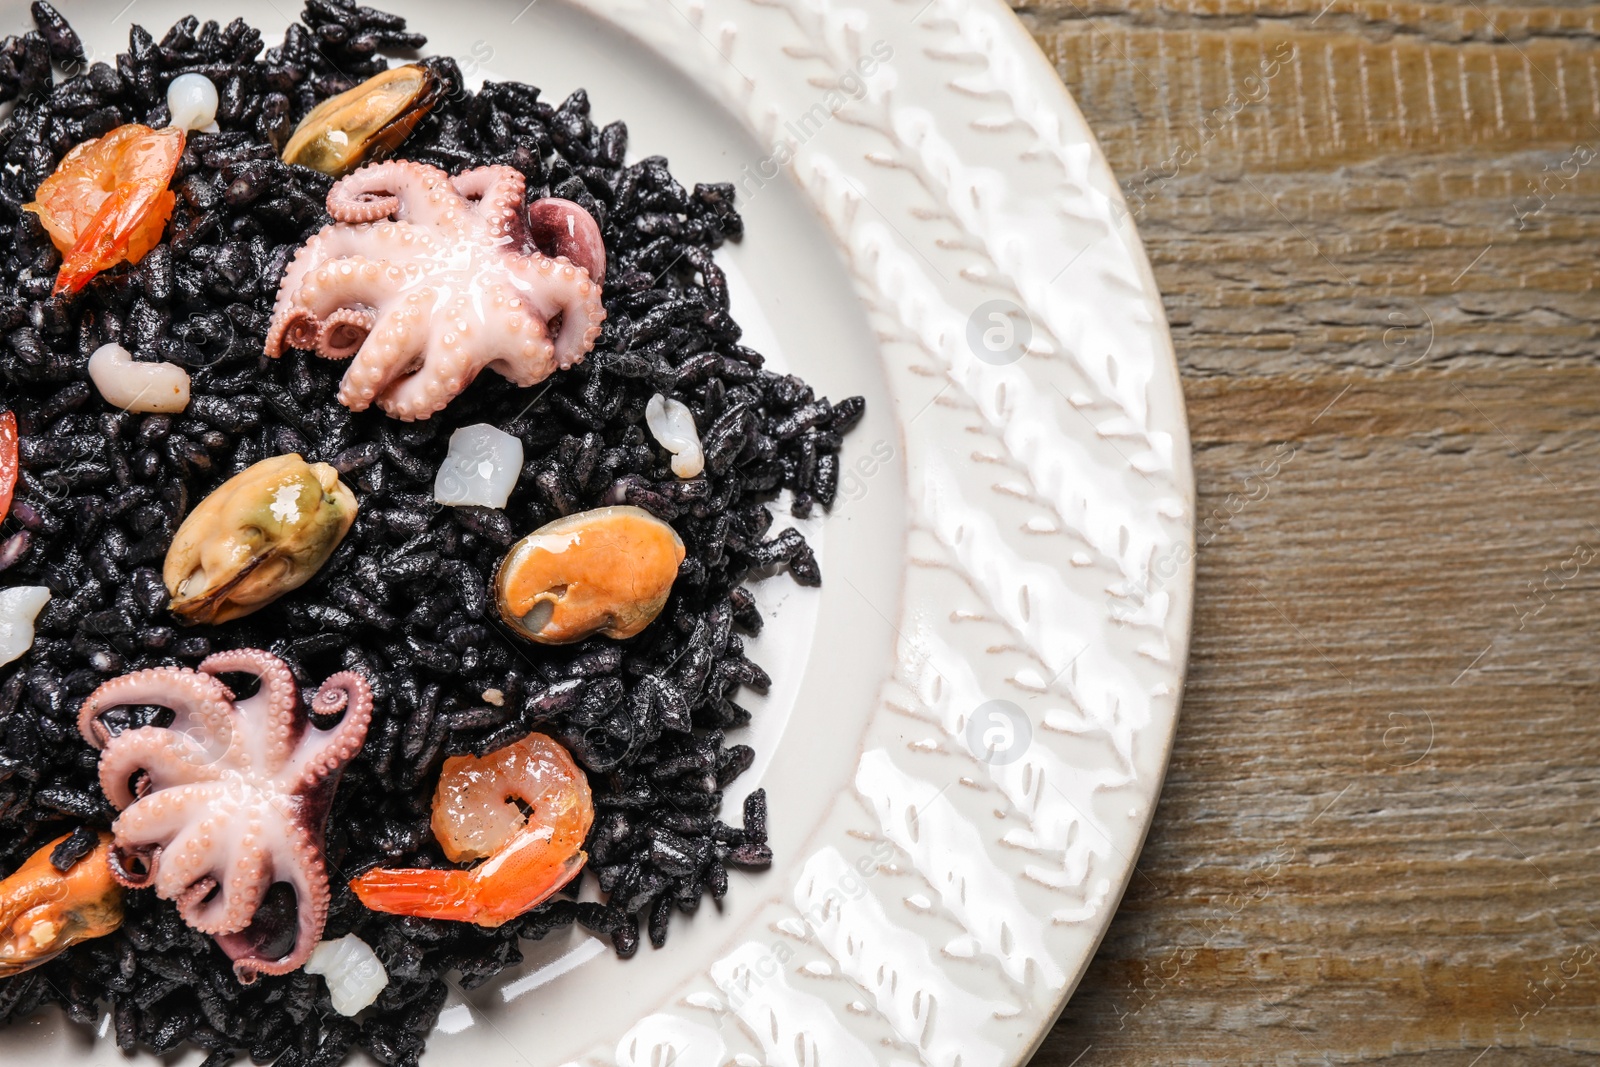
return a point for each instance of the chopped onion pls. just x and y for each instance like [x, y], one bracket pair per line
[19, 606]
[481, 468]
[354, 974]
[672, 424]
[192, 100]
[134, 386]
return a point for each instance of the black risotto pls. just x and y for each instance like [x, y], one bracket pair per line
[404, 599]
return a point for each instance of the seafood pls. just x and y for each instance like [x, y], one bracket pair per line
[524, 810]
[481, 467]
[231, 799]
[262, 533]
[672, 425]
[192, 102]
[655, 720]
[138, 386]
[606, 571]
[366, 123]
[108, 202]
[426, 280]
[8, 461]
[19, 607]
[562, 228]
[354, 974]
[44, 910]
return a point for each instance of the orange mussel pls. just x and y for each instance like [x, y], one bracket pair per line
[43, 911]
[607, 571]
[108, 202]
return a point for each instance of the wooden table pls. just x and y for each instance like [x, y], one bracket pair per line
[1376, 226]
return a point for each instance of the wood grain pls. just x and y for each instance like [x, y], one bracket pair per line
[1376, 228]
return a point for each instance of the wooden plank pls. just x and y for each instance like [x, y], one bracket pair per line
[1378, 841]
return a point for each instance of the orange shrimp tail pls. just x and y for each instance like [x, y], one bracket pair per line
[127, 226]
[526, 875]
[510, 884]
[527, 857]
[426, 894]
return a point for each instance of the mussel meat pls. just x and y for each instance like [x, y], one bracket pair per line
[606, 571]
[366, 123]
[45, 911]
[260, 534]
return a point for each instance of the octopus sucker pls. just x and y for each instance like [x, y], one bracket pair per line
[236, 799]
[412, 272]
[342, 332]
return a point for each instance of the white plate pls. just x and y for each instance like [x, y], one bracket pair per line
[1008, 571]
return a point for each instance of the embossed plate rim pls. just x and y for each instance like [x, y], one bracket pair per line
[962, 172]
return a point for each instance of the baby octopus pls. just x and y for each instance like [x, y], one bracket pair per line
[229, 800]
[426, 279]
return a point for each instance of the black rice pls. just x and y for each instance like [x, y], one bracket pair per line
[405, 598]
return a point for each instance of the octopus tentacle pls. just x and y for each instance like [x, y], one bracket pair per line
[167, 757]
[323, 752]
[498, 191]
[347, 281]
[389, 353]
[203, 704]
[294, 328]
[273, 673]
[271, 721]
[537, 361]
[413, 394]
[186, 860]
[388, 189]
[530, 357]
[239, 872]
[342, 333]
[124, 873]
[235, 904]
[300, 862]
[582, 319]
[450, 368]
[364, 208]
[191, 904]
[390, 241]
[570, 294]
[387, 242]
[286, 327]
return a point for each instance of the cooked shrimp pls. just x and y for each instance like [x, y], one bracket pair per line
[108, 202]
[524, 810]
[43, 911]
